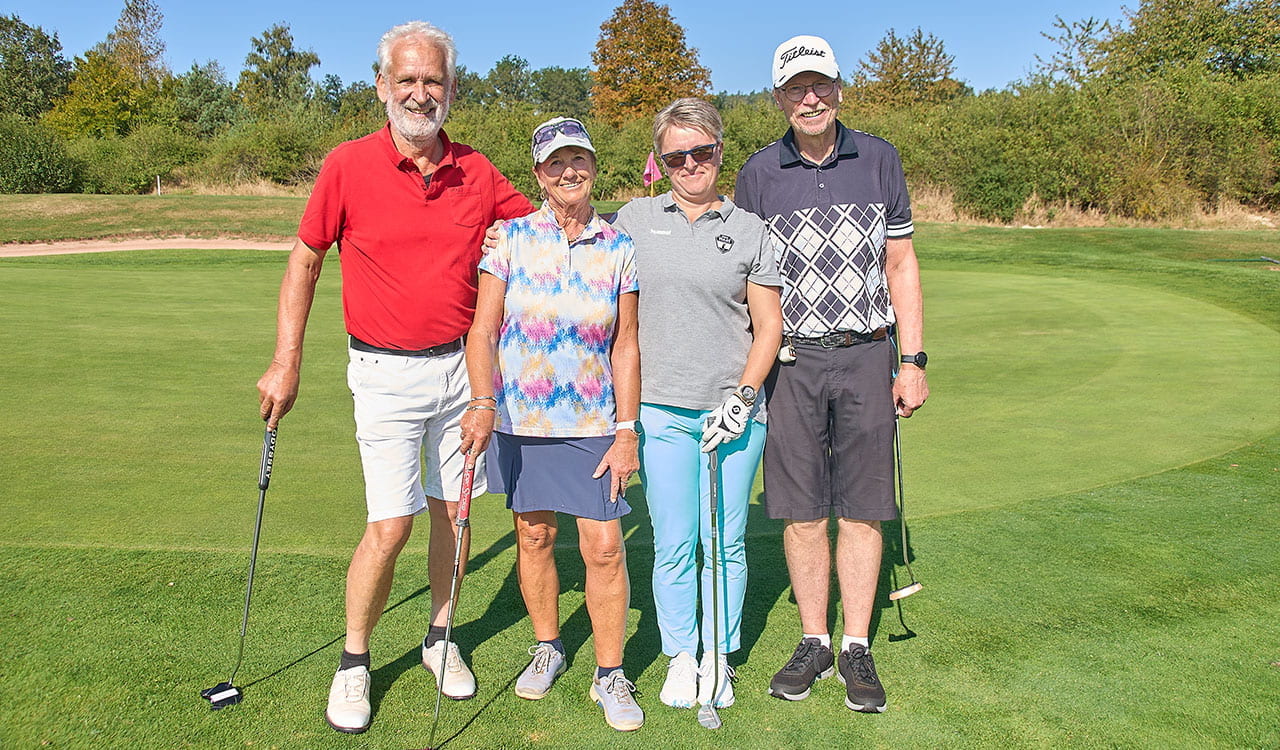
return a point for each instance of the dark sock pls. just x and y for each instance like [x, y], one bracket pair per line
[434, 634]
[350, 660]
[602, 672]
[556, 644]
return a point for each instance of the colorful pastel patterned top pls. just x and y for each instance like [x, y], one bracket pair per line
[553, 376]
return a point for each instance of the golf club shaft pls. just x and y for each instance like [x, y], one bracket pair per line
[902, 500]
[708, 716]
[715, 571]
[464, 520]
[264, 480]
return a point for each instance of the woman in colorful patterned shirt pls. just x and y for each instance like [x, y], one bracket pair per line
[554, 364]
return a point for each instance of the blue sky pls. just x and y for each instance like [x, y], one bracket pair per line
[993, 42]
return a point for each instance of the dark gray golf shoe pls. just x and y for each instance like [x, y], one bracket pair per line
[863, 691]
[811, 661]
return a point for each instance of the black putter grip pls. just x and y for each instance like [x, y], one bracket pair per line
[268, 455]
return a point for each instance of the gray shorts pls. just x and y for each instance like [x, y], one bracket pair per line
[553, 474]
[830, 443]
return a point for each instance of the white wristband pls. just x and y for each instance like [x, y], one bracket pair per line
[628, 424]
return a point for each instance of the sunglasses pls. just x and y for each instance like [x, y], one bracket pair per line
[820, 89]
[571, 128]
[700, 154]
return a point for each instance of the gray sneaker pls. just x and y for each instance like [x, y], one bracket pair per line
[546, 666]
[615, 694]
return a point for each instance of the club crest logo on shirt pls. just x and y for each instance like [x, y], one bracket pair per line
[724, 242]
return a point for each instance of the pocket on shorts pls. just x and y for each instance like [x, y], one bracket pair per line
[361, 371]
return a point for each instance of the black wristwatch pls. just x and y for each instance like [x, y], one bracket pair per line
[748, 394]
[919, 359]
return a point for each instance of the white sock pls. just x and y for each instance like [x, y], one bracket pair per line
[852, 640]
[824, 638]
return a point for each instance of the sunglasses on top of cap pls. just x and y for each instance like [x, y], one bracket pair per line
[700, 154]
[571, 128]
[821, 89]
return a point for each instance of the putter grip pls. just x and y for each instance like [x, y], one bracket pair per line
[464, 496]
[268, 456]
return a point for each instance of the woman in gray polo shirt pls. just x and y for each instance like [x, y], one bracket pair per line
[710, 327]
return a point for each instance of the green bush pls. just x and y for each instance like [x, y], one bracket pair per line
[132, 163]
[287, 149]
[32, 158]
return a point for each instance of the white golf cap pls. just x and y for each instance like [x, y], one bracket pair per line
[803, 54]
[559, 132]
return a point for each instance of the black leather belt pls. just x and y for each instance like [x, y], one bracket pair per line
[841, 339]
[434, 351]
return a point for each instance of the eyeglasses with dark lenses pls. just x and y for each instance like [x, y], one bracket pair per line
[571, 128]
[700, 154]
[820, 89]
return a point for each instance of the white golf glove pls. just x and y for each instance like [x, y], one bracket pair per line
[728, 420]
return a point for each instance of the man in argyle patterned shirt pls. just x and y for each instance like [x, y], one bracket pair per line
[837, 207]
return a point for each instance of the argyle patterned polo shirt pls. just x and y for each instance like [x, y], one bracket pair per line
[829, 224]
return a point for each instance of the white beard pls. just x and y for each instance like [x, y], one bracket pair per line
[417, 129]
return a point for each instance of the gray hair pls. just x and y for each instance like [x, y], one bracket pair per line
[423, 30]
[687, 113]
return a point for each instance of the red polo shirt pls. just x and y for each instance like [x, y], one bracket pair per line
[408, 247]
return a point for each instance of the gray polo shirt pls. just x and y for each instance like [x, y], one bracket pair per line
[695, 329]
[830, 222]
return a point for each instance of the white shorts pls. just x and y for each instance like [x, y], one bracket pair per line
[404, 405]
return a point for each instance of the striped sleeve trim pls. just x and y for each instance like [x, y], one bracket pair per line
[900, 230]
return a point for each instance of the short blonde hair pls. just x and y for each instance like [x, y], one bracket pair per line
[687, 113]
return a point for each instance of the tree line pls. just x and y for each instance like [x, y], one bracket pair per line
[1171, 110]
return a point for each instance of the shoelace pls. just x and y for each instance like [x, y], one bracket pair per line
[804, 652]
[685, 669]
[863, 666]
[541, 658]
[453, 662]
[727, 674]
[354, 685]
[620, 687]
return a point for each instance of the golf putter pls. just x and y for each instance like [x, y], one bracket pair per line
[464, 520]
[915, 585]
[226, 693]
[707, 714]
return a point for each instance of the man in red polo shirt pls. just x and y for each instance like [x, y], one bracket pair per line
[407, 208]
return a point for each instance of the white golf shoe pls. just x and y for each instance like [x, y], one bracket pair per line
[349, 710]
[707, 679]
[681, 687]
[457, 682]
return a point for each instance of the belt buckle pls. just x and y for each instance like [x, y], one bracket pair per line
[834, 340]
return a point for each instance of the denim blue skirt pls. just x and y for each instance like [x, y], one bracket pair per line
[553, 474]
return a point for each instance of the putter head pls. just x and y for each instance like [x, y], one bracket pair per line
[222, 695]
[905, 591]
[708, 716]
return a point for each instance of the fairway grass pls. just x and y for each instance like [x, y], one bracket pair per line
[1093, 486]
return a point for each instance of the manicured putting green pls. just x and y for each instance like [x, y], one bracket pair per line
[1042, 385]
[1047, 385]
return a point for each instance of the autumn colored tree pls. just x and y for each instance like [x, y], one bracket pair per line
[642, 63]
[907, 70]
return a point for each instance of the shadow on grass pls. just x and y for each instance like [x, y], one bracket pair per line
[769, 578]
[476, 562]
